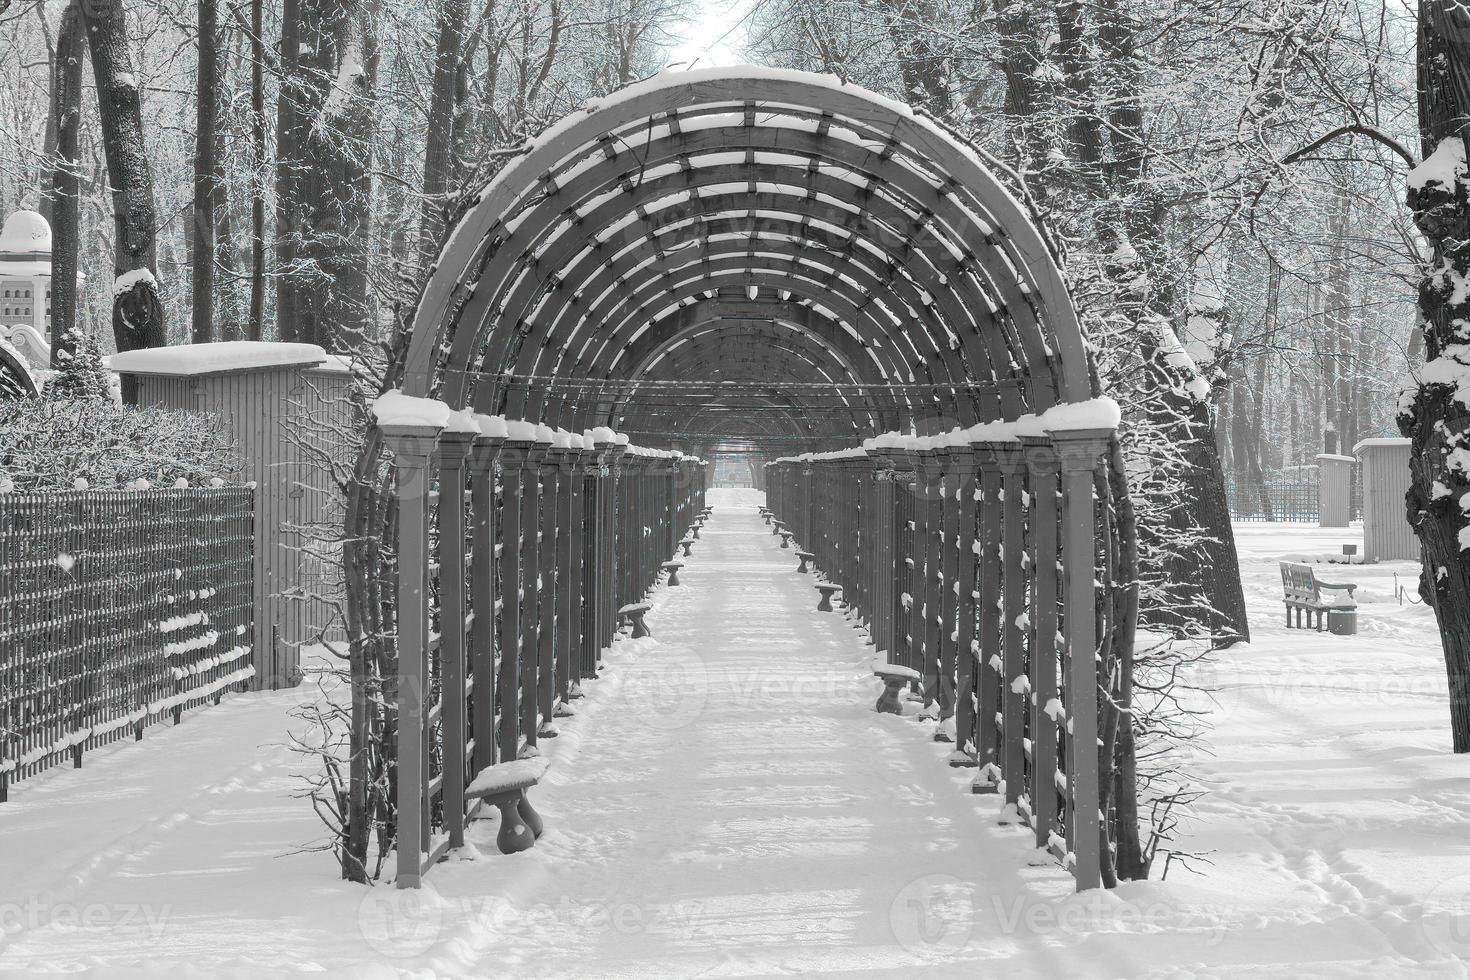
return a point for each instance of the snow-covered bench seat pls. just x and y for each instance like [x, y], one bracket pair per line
[672, 567]
[805, 556]
[895, 678]
[687, 542]
[1305, 593]
[825, 605]
[633, 612]
[504, 785]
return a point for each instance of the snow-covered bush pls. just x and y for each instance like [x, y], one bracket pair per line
[52, 445]
[82, 373]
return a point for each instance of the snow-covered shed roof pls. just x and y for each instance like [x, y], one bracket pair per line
[227, 357]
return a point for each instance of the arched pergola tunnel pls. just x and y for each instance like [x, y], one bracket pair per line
[781, 265]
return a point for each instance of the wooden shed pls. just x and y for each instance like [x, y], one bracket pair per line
[259, 391]
[1387, 535]
[1334, 489]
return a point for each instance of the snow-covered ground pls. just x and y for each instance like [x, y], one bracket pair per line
[726, 803]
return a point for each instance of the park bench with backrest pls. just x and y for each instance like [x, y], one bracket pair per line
[1305, 593]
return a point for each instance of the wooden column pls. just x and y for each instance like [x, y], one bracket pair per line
[967, 650]
[1013, 697]
[569, 566]
[1081, 452]
[412, 447]
[454, 451]
[512, 477]
[883, 559]
[1042, 462]
[990, 665]
[552, 583]
[530, 502]
[483, 597]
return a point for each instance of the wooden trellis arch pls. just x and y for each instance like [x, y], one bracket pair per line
[772, 261]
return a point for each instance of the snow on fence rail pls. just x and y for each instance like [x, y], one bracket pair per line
[117, 609]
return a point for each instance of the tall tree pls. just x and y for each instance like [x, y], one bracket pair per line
[323, 187]
[1433, 415]
[66, 113]
[443, 112]
[137, 312]
[208, 186]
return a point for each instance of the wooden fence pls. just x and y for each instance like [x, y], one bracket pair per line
[976, 567]
[531, 549]
[120, 609]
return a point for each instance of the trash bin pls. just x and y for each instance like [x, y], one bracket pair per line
[1342, 622]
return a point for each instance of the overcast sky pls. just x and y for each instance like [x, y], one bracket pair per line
[713, 35]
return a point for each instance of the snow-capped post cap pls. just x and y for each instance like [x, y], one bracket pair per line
[464, 422]
[544, 435]
[492, 427]
[1093, 414]
[395, 410]
[519, 431]
[602, 435]
[227, 357]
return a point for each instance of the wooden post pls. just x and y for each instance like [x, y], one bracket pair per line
[454, 450]
[988, 627]
[1044, 467]
[568, 562]
[530, 596]
[1013, 699]
[483, 596]
[552, 583]
[1080, 452]
[412, 446]
[513, 455]
[967, 652]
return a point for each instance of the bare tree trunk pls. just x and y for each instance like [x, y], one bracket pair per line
[438, 153]
[256, 329]
[137, 313]
[208, 188]
[48, 145]
[66, 111]
[1435, 421]
[322, 173]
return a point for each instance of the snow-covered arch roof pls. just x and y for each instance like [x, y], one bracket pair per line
[813, 206]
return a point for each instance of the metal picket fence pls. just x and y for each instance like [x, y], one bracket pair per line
[118, 609]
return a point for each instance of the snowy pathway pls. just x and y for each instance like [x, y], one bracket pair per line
[727, 803]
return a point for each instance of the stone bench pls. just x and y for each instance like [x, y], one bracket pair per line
[687, 543]
[634, 612]
[672, 567]
[825, 605]
[806, 557]
[895, 678]
[504, 786]
[776, 526]
[768, 516]
[785, 538]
